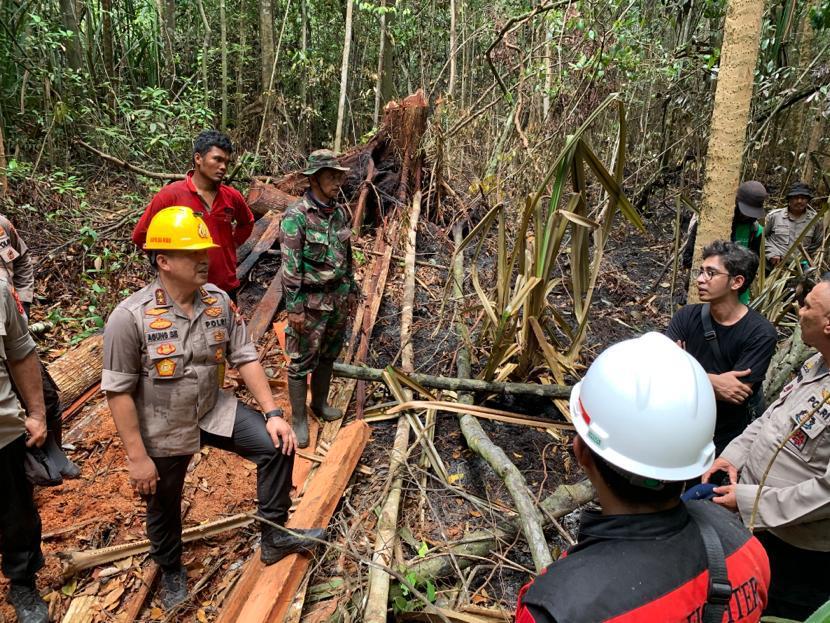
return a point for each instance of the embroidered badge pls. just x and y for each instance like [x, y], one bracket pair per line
[799, 440]
[213, 312]
[203, 231]
[156, 311]
[210, 300]
[161, 297]
[166, 349]
[220, 355]
[161, 323]
[219, 336]
[166, 367]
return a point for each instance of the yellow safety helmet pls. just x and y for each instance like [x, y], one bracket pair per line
[178, 229]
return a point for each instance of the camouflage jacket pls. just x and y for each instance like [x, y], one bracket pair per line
[316, 256]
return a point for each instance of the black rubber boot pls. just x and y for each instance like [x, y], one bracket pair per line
[320, 383]
[299, 421]
[28, 604]
[277, 544]
[173, 587]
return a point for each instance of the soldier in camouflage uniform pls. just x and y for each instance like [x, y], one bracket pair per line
[318, 286]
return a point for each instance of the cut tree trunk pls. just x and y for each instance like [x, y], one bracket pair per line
[79, 369]
[730, 118]
[456, 384]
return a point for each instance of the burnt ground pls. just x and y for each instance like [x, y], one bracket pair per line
[99, 509]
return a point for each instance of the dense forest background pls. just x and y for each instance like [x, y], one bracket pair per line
[507, 82]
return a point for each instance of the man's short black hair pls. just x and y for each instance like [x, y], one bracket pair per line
[736, 259]
[209, 139]
[631, 493]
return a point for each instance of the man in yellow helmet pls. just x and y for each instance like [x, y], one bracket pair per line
[165, 350]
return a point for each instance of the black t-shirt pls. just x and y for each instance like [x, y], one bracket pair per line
[749, 343]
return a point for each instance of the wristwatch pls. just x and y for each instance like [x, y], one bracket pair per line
[273, 413]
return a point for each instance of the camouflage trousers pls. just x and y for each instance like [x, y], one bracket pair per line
[323, 334]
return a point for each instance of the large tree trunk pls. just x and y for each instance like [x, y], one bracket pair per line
[266, 42]
[69, 17]
[742, 32]
[344, 76]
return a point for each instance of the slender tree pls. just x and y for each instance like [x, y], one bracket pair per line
[344, 75]
[266, 42]
[730, 117]
[106, 39]
[223, 45]
[69, 16]
[453, 49]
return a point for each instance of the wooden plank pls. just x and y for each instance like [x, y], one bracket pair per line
[83, 609]
[133, 607]
[264, 312]
[266, 241]
[260, 225]
[265, 593]
[84, 398]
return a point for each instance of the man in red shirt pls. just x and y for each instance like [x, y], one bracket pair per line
[228, 217]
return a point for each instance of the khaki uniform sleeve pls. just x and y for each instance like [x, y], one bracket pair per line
[816, 237]
[122, 353]
[17, 342]
[241, 349]
[24, 270]
[783, 506]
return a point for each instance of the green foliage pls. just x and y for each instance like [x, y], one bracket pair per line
[402, 598]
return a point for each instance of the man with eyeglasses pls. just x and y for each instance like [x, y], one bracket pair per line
[792, 513]
[732, 342]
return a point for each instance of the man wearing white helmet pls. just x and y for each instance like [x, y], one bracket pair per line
[793, 507]
[645, 416]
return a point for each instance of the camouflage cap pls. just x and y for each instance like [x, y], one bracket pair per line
[323, 159]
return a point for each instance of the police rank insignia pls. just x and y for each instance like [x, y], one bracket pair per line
[219, 336]
[156, 311]
[213, 312]
[161, 323]
[161, 297]
[210, 300]
[166, 367]
[166, 349]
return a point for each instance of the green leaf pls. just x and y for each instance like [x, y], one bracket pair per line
[422, 551]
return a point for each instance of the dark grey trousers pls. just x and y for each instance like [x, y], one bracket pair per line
[251, 441]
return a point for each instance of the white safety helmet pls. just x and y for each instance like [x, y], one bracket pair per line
[647, 407]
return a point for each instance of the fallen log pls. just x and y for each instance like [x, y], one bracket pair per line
[80, 560]
[136, 603]
[478, 440]
[78, 369]
[264, 312]
[265, 593]
[263, 198]
[266, 241]
[260, 225]
[480, 543]
[455, 384]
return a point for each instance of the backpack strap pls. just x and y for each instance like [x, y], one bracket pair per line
[720, 588]
[710, 335]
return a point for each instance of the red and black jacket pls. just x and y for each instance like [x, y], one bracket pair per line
[648, 568]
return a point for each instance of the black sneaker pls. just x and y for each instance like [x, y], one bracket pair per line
[277, 544]
[28, 604]
[173, 588]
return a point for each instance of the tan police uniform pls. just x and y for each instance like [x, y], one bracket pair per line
[782, 230]
[16, 261]
[19, 521]
[794, 507]
[175, 366]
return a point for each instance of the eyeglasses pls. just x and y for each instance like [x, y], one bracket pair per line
[709, 273]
